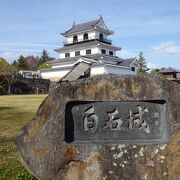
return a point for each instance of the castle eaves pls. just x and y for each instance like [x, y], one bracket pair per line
[87, 44]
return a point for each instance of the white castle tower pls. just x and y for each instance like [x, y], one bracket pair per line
[87, 51]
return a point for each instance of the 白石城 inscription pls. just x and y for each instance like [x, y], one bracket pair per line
[105, 127]
[126, 122]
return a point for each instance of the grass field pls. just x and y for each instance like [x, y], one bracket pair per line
[15, 111]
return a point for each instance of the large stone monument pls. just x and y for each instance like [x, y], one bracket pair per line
[106, 127]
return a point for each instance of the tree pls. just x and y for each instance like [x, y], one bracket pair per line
[8, 72]
[44, 66]
[21, 65]
[142, 66]
[156, 70]
[44, 57]
[31, 62]
[15, 63]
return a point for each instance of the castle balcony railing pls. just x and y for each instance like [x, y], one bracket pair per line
[105, 40]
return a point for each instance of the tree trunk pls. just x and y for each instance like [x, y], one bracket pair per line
[9, 86]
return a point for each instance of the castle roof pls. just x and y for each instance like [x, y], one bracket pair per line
[127, 62]
[98, 59]
[90, 25]
[97, 56]
[86, 44]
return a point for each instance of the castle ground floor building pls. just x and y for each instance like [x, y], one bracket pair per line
[84, 66]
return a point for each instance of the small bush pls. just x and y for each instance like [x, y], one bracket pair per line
[24, 175]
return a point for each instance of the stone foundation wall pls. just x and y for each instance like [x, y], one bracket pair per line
[31, 86]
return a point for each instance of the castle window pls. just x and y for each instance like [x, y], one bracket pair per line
[101, 37]
[75, 39]
[111, 53]
[103, 51]
[85, 37]
[77, 53]
[67, 54]
[132, 68]
[88, 51]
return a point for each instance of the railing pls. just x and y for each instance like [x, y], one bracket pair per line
[90, 38]
[105, 40]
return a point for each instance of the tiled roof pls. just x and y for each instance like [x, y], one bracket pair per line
[92, 56]
[126, 62]
[97, 59]
[168, 70]
[85, 44]
[78, 45]
[83, 26]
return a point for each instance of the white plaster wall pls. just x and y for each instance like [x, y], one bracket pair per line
[94, 50]
[80, 36]
[133, 65]
[178, 75]
[69, 39]
[91, 35]
[83, 52]
[97, 70]
[97, 34]
[61, 65]
[62, 55]
[118, 70]
[107, 51]
[72, 53]
[54, 75]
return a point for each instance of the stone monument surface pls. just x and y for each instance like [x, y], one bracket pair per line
[105, 127]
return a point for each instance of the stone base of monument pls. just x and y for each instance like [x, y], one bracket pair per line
[106, 127]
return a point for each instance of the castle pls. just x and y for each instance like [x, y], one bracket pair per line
[88, 51]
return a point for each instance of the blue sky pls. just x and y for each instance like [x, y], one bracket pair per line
[26, 27]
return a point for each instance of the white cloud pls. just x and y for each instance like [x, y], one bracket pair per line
[169, 47]
[9, 56]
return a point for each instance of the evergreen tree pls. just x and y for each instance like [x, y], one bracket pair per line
[15, 63]
[21, 63]
[44, 57]
[142, 65]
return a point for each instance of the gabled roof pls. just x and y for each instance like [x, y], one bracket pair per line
[86, 60]
[90, 25]
[169, 70]
[127, 62]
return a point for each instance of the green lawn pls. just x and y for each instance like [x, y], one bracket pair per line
[15, 111]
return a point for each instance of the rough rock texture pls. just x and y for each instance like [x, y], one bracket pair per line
[45, 153]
